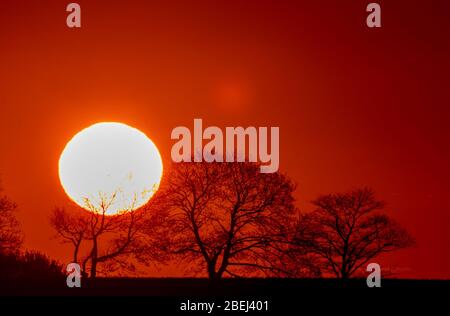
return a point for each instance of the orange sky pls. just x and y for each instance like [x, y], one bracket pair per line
[355, 106]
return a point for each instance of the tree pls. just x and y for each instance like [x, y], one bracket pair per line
[71, 228]
[228, 217]
[10, 234]
[347, 230]
[110, 240]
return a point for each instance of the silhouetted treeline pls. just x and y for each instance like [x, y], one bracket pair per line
[10, 234]
[29, 266]
[229, 220]
[16, 267]
[216, 220]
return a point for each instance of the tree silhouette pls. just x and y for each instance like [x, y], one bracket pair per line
[347, 230]
[110, 240]
[228, 217]
[71, 228]
[10, 234]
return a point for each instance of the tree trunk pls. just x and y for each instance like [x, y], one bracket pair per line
[212, 274]
[94, 259]
[75, 252]
[344, 279]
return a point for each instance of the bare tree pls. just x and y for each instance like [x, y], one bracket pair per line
[71, 228]
[114, 241]
[229, 217]
[10, 234]
[347, 230]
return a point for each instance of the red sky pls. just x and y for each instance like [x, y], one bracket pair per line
[355, 106]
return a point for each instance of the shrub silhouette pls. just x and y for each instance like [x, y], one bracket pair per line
[28, 267]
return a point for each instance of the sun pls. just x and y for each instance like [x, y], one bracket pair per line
[110, 167]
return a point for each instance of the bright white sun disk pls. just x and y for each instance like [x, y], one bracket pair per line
[110, 166]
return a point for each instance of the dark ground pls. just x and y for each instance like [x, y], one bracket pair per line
[203, 287]
[285, 296]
